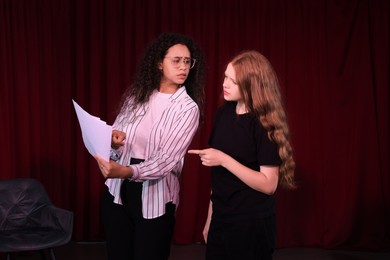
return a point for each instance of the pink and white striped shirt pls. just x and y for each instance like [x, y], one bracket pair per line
[170, 134]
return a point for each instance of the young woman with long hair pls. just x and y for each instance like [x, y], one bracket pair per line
[250, 155]
[159, 115]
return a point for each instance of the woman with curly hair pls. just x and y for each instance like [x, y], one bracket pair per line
[159, 115]
[250, 155]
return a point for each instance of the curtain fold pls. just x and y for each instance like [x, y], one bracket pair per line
[332, 59]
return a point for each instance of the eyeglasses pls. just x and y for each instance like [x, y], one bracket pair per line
[188, 62]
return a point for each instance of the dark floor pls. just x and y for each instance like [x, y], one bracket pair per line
[96, 251]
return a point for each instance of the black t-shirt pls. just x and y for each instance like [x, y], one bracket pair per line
[245, 139]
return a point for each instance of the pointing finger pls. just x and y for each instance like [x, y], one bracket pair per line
[194, 151]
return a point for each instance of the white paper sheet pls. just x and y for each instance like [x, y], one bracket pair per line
[96, 133]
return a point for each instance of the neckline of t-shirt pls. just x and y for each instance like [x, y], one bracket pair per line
[244, 114]
[161, 94]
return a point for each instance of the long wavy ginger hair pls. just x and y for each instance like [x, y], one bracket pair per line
[260, 90]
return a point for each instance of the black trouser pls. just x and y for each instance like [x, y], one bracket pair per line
[129, 236]
[249, 240]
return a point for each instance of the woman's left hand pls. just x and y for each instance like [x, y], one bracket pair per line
[112, 169]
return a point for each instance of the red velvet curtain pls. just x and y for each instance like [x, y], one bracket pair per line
[332, 58]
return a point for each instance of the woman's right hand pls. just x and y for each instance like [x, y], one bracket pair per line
[206, 231]
[207, 224]
[117, 139]
[112, 169]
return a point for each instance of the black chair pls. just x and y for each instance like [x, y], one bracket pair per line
[28, 219]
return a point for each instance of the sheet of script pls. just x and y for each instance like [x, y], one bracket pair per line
[96, 133]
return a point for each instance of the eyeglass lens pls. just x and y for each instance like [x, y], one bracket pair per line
[188, 62]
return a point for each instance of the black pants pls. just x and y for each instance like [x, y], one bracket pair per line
[249, 240]
[131, 237]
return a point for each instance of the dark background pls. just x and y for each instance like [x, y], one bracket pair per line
[332, 58]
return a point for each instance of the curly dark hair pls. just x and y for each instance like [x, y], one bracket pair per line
[148, 75]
